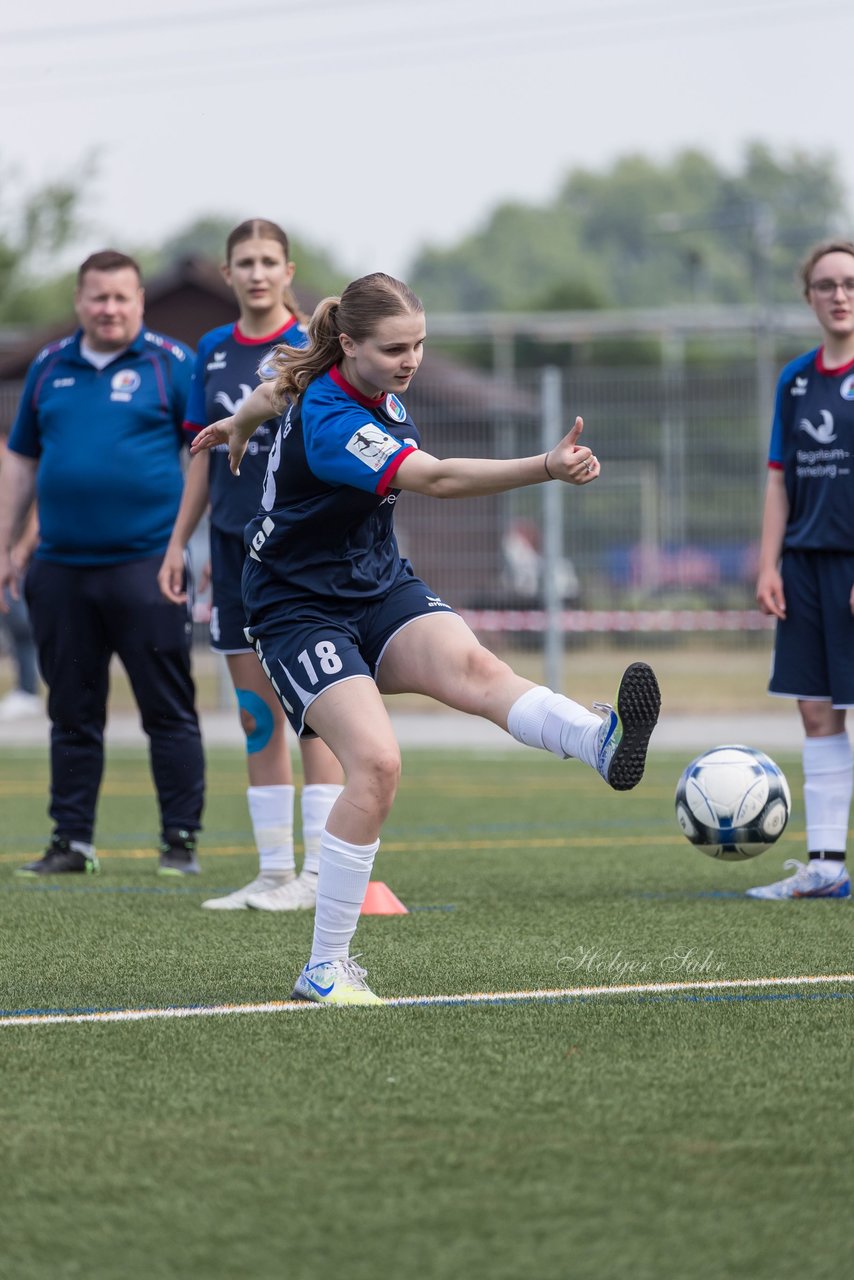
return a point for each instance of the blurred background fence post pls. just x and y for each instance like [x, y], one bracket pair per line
[553, 429]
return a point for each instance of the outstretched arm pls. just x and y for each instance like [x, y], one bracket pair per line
[476, 477]
[237, 430]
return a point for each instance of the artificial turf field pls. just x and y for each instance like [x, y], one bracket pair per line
[700, 1133]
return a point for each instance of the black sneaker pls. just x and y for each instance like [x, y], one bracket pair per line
[178, 853]
[626, 729]
[59, 857]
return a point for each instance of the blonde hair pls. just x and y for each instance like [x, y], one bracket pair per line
[357, 312]
[818, 251]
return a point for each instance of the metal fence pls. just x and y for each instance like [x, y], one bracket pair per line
[672, 522]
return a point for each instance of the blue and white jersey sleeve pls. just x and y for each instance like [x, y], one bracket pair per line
[25, 436]
[195, 415]
[350, 447]
[790, 386]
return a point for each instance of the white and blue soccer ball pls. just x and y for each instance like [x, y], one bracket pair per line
[733, 802]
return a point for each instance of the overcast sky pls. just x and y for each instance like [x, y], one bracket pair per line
[373, 127]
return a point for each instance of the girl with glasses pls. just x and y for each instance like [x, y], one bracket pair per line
[806, 568]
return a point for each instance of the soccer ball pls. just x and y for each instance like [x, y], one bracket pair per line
[732, 802]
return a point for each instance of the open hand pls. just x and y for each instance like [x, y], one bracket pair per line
[222, 432]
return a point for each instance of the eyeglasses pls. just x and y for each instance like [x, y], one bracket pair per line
[827, 288]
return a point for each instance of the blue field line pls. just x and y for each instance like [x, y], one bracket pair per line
[717, 990]
[177, 891]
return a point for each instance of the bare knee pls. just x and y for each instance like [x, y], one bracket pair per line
[821, 719]
[374, 781]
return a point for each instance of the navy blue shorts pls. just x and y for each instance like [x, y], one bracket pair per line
[814, 647]
[228, 617]
[321, 644]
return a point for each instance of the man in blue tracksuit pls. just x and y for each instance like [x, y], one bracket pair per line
[97, 439]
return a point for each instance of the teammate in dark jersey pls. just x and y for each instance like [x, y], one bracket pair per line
[338, 617]
[806, 571]
[258, 269]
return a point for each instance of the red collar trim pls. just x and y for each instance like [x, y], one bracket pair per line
[246, 341]
[367, 402]
[833, 373]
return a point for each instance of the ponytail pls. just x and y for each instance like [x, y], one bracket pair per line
[358, 311]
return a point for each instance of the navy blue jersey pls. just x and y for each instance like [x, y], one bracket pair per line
[812, 441]
[325, 527]
[226, 373]
[108, 444]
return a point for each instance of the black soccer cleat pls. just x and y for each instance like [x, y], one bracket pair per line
[60, 858]
[178, 853]
[627, 728]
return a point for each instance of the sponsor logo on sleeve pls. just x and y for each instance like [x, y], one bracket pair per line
[124, 383]
[372, 446]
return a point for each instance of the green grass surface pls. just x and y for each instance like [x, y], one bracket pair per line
[649, 1137]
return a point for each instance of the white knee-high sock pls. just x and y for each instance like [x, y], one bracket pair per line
[342, 882]
[272, 812]
[541, 718]
[828, 786]
[316, 802]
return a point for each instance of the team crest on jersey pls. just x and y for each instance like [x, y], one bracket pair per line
[847, 388]
[124, 383]
[394, 408]
[266, 369]
[371, 445]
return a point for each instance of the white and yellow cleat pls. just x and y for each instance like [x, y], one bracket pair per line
[338, 982]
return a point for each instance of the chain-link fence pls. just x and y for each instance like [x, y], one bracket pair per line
[672, 522]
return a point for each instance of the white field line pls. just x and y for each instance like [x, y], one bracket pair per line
[468, 998]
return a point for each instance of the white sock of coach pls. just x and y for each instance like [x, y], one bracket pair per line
[342, 882]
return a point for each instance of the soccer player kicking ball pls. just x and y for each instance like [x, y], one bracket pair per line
[338, 617]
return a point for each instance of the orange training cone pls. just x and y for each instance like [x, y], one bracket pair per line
[380, 901]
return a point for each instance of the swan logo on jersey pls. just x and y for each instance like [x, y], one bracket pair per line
[124, 383]
[231, 406]
[823, 434]
[847, 388]
[394, 408]
[371, 445]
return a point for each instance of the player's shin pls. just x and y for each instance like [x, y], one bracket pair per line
[342, 882]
